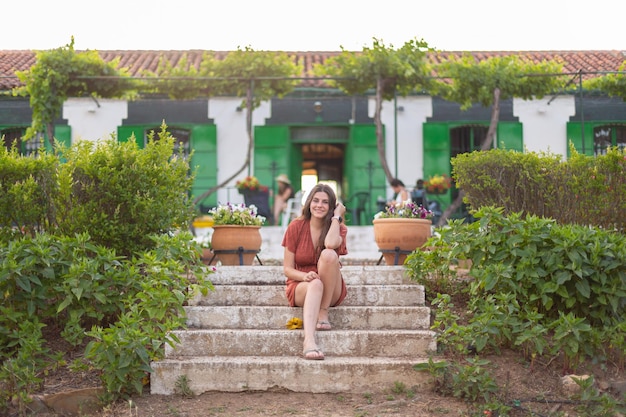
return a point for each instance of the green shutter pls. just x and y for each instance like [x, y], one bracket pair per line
[273, 155]
[204, 162]
[582, 144]
[510, 136]
[436, 148]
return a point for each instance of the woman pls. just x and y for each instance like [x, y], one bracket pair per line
[400, 193]
[284, 193]
[313, 243]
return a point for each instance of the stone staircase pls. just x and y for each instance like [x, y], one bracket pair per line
[237, 339]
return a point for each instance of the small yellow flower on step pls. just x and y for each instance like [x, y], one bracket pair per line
[294, 323]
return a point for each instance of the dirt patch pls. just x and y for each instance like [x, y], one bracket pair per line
[532, 389]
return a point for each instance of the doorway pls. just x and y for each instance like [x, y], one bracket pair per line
[322, 162]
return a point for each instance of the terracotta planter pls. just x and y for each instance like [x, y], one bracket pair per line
[232, 244]
[402, 233]
[207, 255]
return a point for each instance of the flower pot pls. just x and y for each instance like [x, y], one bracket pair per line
[236, 245]
[436, 191]
[207, 256]
[261, 199]
[397, 236]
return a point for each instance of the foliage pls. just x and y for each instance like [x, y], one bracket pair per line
[61, 73]
[406, 209]
[390, 71]
[258, 76]
[438, 183]
[541, 287]
[121, 194]
[402, 70]
[267, 74]
[72, 284]
[466, 80]
[250, 183]
[183, 80]
[612, 84]
[471, 382]
[584, 190]
[57, 275]
[26, 186]
[236, 214]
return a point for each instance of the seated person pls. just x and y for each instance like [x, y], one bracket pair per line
[284, 193]
[400, 193]
[418, 195]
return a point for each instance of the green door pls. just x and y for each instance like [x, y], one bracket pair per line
[364, 178]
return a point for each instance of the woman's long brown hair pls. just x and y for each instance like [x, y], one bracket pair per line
[306, 212]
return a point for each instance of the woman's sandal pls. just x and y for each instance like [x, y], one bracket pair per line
[323, 325]
[319, 356]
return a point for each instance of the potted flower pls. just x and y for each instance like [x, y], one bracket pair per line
[400, 229]
[254, 193]
[236, 237]
[438, 184]
[250, 183]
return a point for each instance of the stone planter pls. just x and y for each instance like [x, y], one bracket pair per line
[397, 237]
[236, 245]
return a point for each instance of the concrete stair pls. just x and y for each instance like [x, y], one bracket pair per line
[237, 340]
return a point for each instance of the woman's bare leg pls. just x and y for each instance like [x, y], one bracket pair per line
[309, 296]
[329, 270]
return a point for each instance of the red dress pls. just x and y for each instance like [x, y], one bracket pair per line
[298, 240]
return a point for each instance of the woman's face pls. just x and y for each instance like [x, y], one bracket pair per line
[320, 205]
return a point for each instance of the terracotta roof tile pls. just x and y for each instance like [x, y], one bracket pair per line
[138, 61]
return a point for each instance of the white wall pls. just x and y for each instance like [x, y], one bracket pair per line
[232, 141]
[410, 136]
[94, 121]
[545, 122]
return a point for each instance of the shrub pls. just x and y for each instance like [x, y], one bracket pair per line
[582, 190]
[96, 242]
[27, 185]
[121, 194]
[537, 285]
[130, 304]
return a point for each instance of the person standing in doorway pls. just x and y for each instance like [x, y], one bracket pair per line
[313, 243]
[284, 193]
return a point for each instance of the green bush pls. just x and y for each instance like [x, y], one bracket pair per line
[98, 247]
[27, 185]
[582, 190]
[74, 285]
[539, 286]
[121, 194]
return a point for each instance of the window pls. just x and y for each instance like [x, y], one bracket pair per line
[607, 136]
[181, 137]
[466, 139]
[13, 136]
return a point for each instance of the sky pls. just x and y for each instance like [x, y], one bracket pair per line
[317, 25]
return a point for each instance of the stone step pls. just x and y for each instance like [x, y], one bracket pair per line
[372, 343]
[236, 338]
[334, 374]
[341, 317]
[273, 275]
[274, 295]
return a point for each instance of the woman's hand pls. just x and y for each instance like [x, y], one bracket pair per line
[310, 276]
[340, 209]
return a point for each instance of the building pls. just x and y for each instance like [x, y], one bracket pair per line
[317, 133]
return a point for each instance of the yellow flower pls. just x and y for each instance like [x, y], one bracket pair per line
[294, 323]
